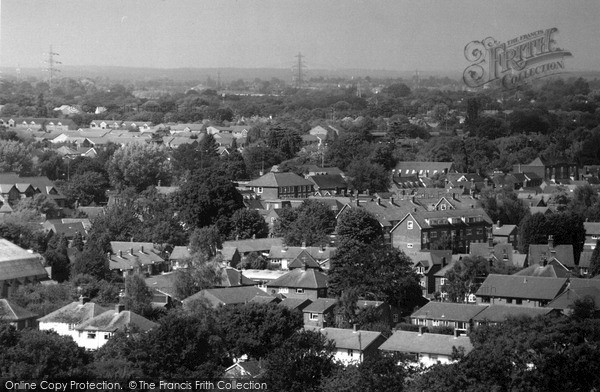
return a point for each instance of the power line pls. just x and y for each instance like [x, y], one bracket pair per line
[51, 64]
[298, 70]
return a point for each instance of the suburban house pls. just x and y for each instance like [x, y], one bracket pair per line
[454, 229]
[231, 277]
[95, 332]
[527, 291]
[546, 253]
[505, 234]
[134, 258]
[18, 267]
[29, 187]
[286, 255]
[304, 282]
[427, 349]
[64, 320]
[179, 257]
[549, 269]
[352, 346]
[275, 185]
[225, 296]
[426, 264]
[447, 314]
[585, 259]
[16, 316]
[244, 370]
[577, 290]
[502, 252]
[295, 303]
[318, 312]
[592, 234]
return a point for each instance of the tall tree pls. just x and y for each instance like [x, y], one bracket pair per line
[138, 297]
[313, 223]
[139, 166]
[465, 278]
[595, 260]
[247, 224]
[359, 225]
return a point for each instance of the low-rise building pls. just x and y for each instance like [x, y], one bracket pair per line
[353, 346]
[527, 291]
[64, 320]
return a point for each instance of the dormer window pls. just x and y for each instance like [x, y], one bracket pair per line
[409, 225]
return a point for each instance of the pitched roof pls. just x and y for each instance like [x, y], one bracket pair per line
[295, 303]
[504, 230]
[426, 169]
[180, 253]
[16, 262]
[328, 181]
[112, 320]
[427, 343]
[254, 245]
[303, 260]
[499, 313]
[275, 180]
[320, 305]
[592, 228]
[227, 296]
[577, 283]
[127, 255]
[74, 313]
[164, 283]
[563, 253]
[301, 278]
[448, 311]
[553, 269]
[570, 295]
[524, 287]
[230, 277]
[348, 339]
[11, 312]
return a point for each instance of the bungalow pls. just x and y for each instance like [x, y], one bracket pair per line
[258, 245]
[15, 315]
[95, 332]
[284, 256]
[352, 346]
[426, 349]
[244, 370]
[422, 169]
[527, 291]
[179, 257]
[447, 314]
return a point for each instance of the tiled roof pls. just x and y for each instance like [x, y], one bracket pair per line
[567, 299]
[328, 181]
[295, 303]
[504, 230]
[422, 168]
[585, 258]
[563, 253]
[551, 270]
[254, 245]
[227, 296]
[164, 283]
[523, 287]
[577, 283]
[274, 180]
[447, 311]
[180, 253]
[261, 299]
[91, 212]
[427, 343]
[301, 278]
[11, 312]
[74, 313]
[303, 260]
[348, 339]
[320, 305]
[127, 255]
[499, 313]
[228, 252]
[592, 228]
[230, 277]
[16, 262]
[111, 321]
[292, 252]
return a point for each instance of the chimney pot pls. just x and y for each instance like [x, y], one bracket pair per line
[131, 250]
[551, 242]
[498, 224]
[120, 253]
[303, 244]
[142, 248]
[354, 327]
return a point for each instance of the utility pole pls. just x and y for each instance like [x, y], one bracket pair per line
[298, 70]
[51, 64]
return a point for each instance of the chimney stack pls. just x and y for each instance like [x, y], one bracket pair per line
[378, 201]
[392, 200]
[303, 244]
[142, 249]
[131, 251]
[354, 327]
[455, 333]
[420, 330]
[83, 300]
[498, 224]
[119, 308]
[491, 241]
[120, 253]
[551, 242]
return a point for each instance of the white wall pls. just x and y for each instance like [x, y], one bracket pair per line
[84, 340]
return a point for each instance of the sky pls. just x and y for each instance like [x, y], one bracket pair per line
[398, 35]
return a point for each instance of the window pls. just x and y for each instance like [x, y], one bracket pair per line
[299, 291]
[509, 300]
[519, 302]
[71, 327]
[314, 316]
[258, 189]
[409, 225]
[350, 353]
[409, 246]
[106, 336]
[395, 317]
[433, 234]
[283, 290]
[433, 357]
[442, 281]
[443, 207]
[91, 335]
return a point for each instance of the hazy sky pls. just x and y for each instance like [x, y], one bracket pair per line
[376, 34]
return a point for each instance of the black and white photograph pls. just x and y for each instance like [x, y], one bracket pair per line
[300, 195]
